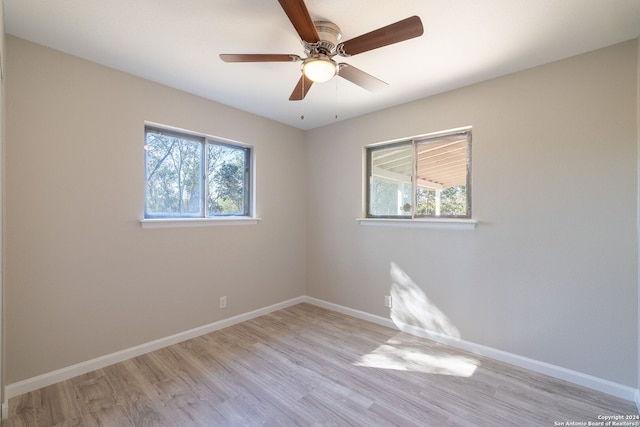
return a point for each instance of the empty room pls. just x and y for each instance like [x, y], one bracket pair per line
[320, 213]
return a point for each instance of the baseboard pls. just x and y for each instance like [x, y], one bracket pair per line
[579, 378]
[4, 410]
[56, 376]
[598, 384]
[351, 312]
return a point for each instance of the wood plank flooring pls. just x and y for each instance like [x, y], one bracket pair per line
[306, 366]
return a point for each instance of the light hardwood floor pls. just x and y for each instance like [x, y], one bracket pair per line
[306, 366]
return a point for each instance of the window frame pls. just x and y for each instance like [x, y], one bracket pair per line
[414, 143]
[202, 218]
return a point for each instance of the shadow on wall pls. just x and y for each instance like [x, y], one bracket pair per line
[412, 308]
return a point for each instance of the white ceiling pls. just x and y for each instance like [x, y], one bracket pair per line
[177, 43]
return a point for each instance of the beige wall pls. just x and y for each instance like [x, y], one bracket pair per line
[550, 273]
[82, 278]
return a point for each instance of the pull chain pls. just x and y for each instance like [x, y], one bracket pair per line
[302, 114]
[336, 112]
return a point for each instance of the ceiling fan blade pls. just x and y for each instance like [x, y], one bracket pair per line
[393, 33]
[258, 57]
[303, 86]
[359, 77]
[301, 20]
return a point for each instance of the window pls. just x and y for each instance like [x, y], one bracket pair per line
[191, 176]
[427, 177]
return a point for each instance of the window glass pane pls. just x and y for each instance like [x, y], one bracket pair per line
[453, 202]
[173, 175]
[227, 180]
[432, 172]
[442, 177]
[390, 171]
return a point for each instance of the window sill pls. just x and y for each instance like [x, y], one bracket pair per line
[196, 222]
[443, 224]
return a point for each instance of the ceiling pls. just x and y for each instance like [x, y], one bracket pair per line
[177, 43]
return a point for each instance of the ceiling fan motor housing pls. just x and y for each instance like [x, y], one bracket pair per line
[329, 35]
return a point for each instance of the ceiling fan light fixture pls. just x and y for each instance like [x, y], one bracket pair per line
[319, 69]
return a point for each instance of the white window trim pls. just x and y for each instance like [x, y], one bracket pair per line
[182, 222]
[197, 222]
[434, 223]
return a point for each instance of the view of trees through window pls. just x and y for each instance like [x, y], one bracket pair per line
[226, 168]
[453, 201]
[188, 176]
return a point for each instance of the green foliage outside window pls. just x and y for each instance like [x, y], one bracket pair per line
[176, 181]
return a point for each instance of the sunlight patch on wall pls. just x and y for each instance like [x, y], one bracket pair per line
[412, 307]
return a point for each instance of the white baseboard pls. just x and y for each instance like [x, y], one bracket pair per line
[589, 381]
[34, 383]
[598, 384]
[352, 312]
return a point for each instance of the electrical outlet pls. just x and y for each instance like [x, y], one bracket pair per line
[223, 302]
[387, 301]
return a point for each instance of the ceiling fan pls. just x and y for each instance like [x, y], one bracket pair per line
[321, 42]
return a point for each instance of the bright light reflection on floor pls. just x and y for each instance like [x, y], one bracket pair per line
[414, 360]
